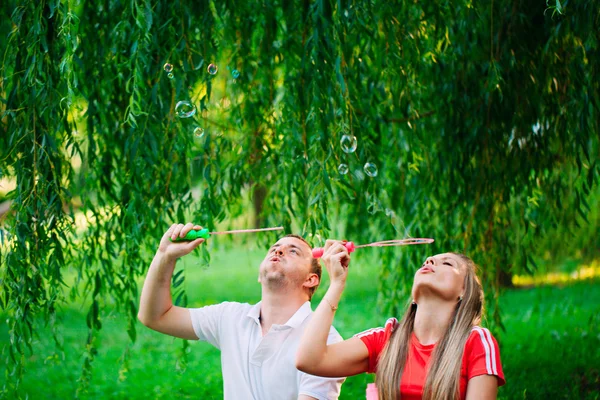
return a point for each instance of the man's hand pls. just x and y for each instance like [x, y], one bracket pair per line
[175, 250]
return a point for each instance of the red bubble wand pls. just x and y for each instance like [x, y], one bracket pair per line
[318, 251]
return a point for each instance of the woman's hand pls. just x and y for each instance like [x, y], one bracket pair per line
[336, 260]
[175, 250]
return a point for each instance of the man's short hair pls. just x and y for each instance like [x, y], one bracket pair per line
[315, 265]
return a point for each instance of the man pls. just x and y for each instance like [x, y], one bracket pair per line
[258, 342]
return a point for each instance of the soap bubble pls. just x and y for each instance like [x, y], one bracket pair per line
[343, 169]
[371, 169]
[235, 73]
[199, 132]
[170, 75]
[212, 69]
[168, 67]
[185, 109]
[348, 143]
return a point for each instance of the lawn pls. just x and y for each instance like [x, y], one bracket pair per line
[550, 349]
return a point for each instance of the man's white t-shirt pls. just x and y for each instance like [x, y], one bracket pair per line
[257, 367]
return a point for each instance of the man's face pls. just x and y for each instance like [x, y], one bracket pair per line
[287, 262]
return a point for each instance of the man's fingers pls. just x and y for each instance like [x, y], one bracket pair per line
[176, 231]
[170, 230]
[188, 227]
[194, 243]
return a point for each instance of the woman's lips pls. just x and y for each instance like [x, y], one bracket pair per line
[426, 269]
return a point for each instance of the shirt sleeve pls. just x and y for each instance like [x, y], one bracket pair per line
[483, 355]
[375, 339]
[207, 321]
[318, 387]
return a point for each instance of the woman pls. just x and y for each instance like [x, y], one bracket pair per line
[436, 351]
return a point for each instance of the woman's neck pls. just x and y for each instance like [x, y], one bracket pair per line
[432, 320]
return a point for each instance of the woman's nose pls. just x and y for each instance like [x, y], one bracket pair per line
[429, 261]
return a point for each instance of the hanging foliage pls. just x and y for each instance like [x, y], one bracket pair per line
[479, 124]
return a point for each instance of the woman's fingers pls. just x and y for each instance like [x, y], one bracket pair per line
[333, 247]
[328, 244]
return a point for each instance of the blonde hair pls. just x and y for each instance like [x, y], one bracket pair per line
[443, 374]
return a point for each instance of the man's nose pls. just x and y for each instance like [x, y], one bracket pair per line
[279, 252]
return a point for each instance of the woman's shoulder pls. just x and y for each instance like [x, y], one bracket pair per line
[482, 354]
[481, 336]
[382, 331]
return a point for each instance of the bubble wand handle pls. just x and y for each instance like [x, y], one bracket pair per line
[205, 234]
[317, 252]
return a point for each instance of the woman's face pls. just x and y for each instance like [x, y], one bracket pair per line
[442, 276]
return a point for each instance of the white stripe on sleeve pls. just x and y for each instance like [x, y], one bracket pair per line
[487, 350]
[493, 350]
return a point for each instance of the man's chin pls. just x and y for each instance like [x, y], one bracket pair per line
[273, 280]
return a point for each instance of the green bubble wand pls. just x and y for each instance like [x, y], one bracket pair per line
[205, 234]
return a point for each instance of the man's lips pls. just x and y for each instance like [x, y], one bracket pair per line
[275, 259]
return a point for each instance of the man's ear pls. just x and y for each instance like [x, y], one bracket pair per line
[311, 281]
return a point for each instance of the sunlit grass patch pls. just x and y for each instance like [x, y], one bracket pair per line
[585, 272]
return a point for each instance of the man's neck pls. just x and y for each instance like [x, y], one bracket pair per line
[432, 320]
[278, 307]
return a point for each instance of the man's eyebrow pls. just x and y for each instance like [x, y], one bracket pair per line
[296, 247]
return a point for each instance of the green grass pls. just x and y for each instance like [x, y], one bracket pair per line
[551, 347]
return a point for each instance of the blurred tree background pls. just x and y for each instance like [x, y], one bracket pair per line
[475, 123]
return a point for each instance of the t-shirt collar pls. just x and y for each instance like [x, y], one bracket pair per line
[294, 322]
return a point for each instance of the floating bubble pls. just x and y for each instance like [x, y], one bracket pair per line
[348, 143]
[343, 169]
[168, 67]
[199, 132]
[235, 73]
[370, 169]
[170, 75]
[185, 109]
[212, 69]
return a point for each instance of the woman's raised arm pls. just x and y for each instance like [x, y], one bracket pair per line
[314, 356]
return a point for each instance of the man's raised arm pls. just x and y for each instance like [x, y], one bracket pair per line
[156, 310]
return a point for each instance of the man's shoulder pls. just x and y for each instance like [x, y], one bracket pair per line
[228, 308]
[333, 337]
